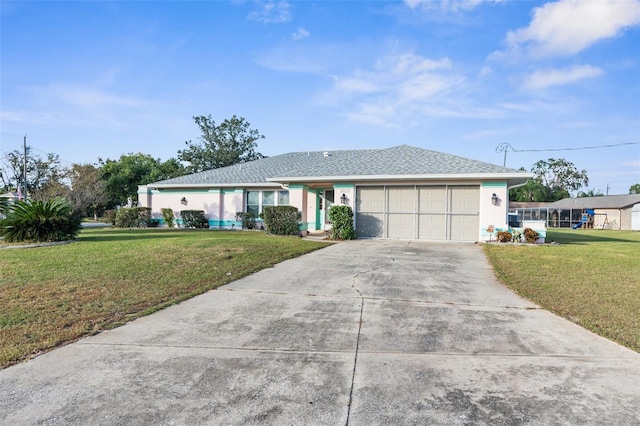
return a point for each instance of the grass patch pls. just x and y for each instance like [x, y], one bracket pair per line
[53, 295]
[592, 278]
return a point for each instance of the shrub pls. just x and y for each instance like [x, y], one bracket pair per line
[110, 215]
[40, 221]
[281, 220]
[248, 219]
[134, 217]
[530, 235]
[167, 215]
[504, 237]
[194, 219]
[341, 218]
[153, 223]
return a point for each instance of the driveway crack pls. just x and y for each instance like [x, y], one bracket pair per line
[355, 359]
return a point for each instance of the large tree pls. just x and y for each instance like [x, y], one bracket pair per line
[46, 178]
[88, 192]
[554, 179]
[560, 177]
[231, 142]
[123, 176]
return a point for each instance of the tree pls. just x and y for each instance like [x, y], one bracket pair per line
[590, 193]
[46, 178]
[88, 192]
[559, 177]
[634, 189]
[531, 191]
[231, 142]
[123, 176]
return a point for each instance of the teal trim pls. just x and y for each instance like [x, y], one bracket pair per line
[231, 191]
[181, 191]
[494, 184]
[215, 223]
[344, 185]
[318, 212]
[298, 187]
[215, 191]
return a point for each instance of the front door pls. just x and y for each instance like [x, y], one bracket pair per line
[327, 202]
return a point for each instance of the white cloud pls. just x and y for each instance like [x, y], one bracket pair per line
[555, 77]
[86, 97]
[397, 86]
[485, 71]
[447, 5]
[568, 26]
[272, 12]
[300, 34]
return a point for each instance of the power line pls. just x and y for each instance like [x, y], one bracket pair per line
[505, 146]
[574, 149]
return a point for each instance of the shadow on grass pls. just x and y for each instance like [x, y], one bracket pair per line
[120, 234]
[579, 236]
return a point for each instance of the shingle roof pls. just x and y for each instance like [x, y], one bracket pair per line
[602, 202]
[400, 160]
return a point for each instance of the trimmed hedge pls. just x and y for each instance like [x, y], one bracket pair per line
[167, 215]
[281, 220]
[133, 217]
[194, 219]
[341, 218]
[248, 219]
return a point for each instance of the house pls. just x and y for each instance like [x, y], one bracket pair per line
[609, 211]
[401, 192]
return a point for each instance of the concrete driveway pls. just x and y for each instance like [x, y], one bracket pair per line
[359, 333]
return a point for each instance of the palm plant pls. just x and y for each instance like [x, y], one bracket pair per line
[39, 221]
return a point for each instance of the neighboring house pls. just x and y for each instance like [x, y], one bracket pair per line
[401, 192]
[611, 211]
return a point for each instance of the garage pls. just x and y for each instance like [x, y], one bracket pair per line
[423, 212]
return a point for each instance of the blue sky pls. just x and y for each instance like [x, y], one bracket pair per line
[99, 79]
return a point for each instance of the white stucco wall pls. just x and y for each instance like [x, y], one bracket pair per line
[490, 214]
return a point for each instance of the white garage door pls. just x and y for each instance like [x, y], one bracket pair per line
[418, 212]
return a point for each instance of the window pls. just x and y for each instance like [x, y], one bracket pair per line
[257, 200]
[283, 198]
[253, 202]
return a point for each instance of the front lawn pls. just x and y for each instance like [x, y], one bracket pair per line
[592, 278]
[53, 295]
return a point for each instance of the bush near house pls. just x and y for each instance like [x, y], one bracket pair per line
[281, 220]
[248, 219]
[530, 235]
[194, 219]
[167, 215]
[110, 215]
[39, 221]
[341, 218]
[504, 237]
[134, 217]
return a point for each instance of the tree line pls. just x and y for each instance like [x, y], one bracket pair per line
[93, 188]
[555, 179]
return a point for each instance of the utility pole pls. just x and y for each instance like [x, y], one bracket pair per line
[503, 147]
[607, 188]
[24, 172]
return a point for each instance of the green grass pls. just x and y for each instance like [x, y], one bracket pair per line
[53, 295]
[592, 278]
